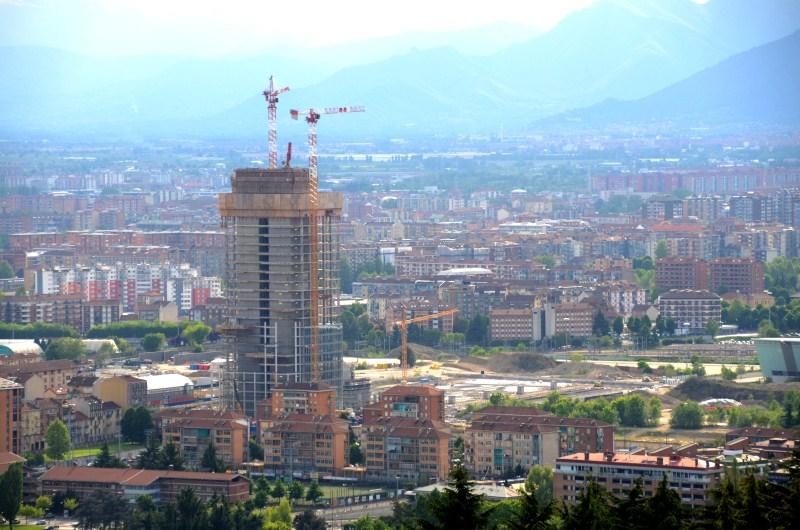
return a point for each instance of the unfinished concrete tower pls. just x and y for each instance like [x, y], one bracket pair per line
[267, 219]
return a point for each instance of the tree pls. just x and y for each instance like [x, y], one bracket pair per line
[531, 513]
[356, 455]
[30, 512]
[662, 251]
[296, 490]
[56, 440]
[170, 458]
[631, 410]
[104, 353]
[314, 492]
[767, 329]
[196, 333]
[191, 510]
[345, 275]
[6, 270]
[548, 261]
[308, 520]
[618, 325]
[65, 348]
[44, 503]
[106, 459]
[540, 483]
[150, 457]
[459, 506]
[654, 410]
[153, 341]
[210, 461]
[728, 374]
[255, 449]
[135, 424]
[70, 504]
[712, 328]
[592, 511]
[478, 330]
[278, 491]
[11, 493]
[600, 325]
[687, 415]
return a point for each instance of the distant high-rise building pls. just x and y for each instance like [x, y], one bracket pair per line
[267, 218]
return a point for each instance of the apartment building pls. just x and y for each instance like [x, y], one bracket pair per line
[499, 440]
[744, 275]
[124, 390]
[193, 430]
[511, 324]
[305, 445]
[10, 416]
[423, 402]
[53, 374]
[681, 273]
[314, 399]
[404, 435]
[690, 308]
[574, 319]
[691, 478]
[91, 421]
[406, 449]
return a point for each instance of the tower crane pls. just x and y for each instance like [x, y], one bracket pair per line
[271, 95]
[403, 324]
[312, 116]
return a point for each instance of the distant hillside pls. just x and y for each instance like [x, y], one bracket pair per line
[620, 49]
[761, 85]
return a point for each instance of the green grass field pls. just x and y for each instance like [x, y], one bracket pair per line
[94, 451]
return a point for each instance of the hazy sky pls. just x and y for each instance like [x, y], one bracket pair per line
[209, 27]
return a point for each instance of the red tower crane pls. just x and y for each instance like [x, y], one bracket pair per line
[271, 95]
[312, 117]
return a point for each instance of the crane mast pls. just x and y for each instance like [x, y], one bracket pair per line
[271, 95]
[312, 117]
[404, 323]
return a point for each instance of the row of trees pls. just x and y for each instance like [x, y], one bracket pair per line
[630, 411]
[104, 509]
[137, 329]
[36, 330]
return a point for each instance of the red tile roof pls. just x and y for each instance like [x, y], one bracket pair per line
[677, 462]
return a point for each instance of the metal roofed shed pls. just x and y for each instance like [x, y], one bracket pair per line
[166, 389]
[19, 346]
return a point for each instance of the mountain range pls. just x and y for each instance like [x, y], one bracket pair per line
[618, 59]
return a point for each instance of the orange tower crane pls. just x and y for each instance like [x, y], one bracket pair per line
[404, 323]
[271, 95]
[312, 117]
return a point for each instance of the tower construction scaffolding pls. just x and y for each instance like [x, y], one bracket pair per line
[267, 220]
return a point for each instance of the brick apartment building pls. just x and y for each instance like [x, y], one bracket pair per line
[303, 445]
[691, 478]
[744, 275]
[511, 324]
[499, 440]
[404, 436]
[193, 430]
[681, 273]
